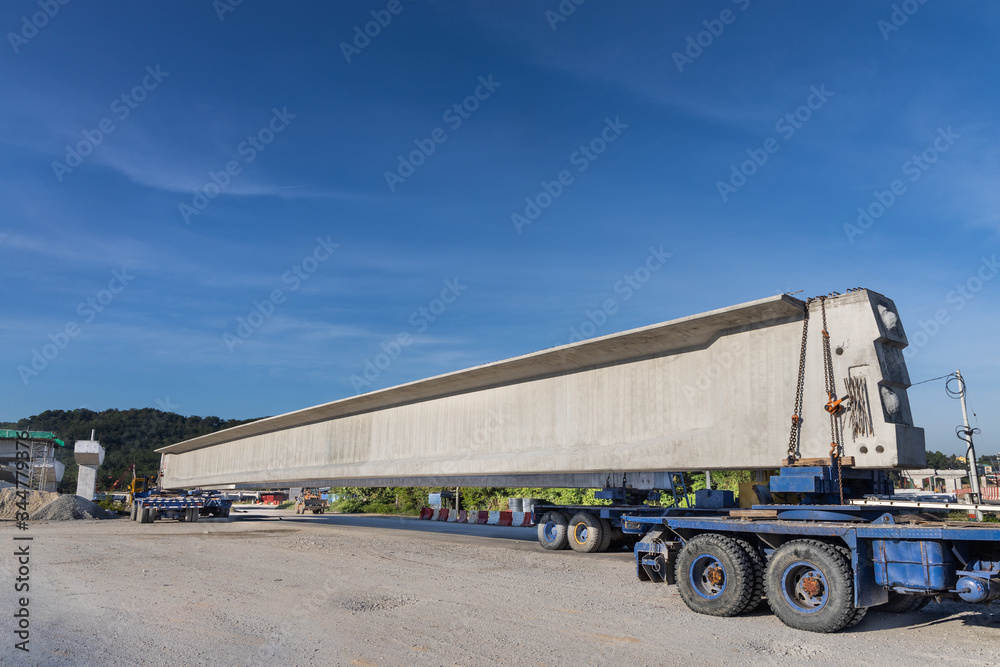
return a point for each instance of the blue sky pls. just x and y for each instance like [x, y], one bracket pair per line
[204, 163]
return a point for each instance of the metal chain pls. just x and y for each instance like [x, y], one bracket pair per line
[833, 405]
[793, 436]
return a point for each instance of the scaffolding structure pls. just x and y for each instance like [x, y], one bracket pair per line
[43, 471]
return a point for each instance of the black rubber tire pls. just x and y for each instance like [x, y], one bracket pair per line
[152, 514]
[858, 613]
[902, 603]
[738, 580]
[194, 515]
[560, 527]
[135, 511]
[758, 568]
[606, 535]
[586, 533]
[618, 538]
[225, 512]
[143, 515]
[833, 614]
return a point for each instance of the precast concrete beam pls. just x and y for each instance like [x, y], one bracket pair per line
[706, 392]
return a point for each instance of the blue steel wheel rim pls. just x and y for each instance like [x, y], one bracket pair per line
[550, 531]
[580, 533]
[703, 574]
[805, 587]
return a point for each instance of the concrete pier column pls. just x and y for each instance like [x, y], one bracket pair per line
[89, 456]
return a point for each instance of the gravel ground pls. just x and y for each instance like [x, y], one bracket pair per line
[334, 590]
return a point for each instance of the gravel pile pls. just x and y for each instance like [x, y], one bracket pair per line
[68, 508]
[36, 500]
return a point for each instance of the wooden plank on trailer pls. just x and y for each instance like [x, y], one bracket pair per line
[820, 461]
[753, 514]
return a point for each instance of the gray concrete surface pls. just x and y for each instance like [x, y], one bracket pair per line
[366, 591]
[710, 391]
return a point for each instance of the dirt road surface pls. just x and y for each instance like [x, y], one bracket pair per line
[273, 588]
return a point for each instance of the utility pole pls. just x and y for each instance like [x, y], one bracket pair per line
[970, 452]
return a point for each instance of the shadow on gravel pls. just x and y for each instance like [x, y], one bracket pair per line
[936, 613]
[407, 523]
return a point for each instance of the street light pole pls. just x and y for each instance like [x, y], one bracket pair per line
[970, 452]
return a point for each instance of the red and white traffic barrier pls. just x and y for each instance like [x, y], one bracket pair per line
[985, 492]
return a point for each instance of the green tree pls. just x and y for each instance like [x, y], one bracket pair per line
[128, 436]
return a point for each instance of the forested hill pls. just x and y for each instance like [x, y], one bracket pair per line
[128, 436]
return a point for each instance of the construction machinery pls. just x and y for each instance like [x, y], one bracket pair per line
[310, 500]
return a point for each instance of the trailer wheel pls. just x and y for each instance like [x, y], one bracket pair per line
[810, 586]
[552, 531]
[715, 575]
[902, 603]
[586, 533]
[859, 614]
[135, 511]
[606, 535]
[143, 515]
[194, 515]
[758, 568]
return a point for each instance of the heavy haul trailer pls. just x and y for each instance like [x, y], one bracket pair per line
[707, 392]
[149, 508]
[820, 567]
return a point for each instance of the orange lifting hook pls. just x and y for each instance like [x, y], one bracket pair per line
[835, 407]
